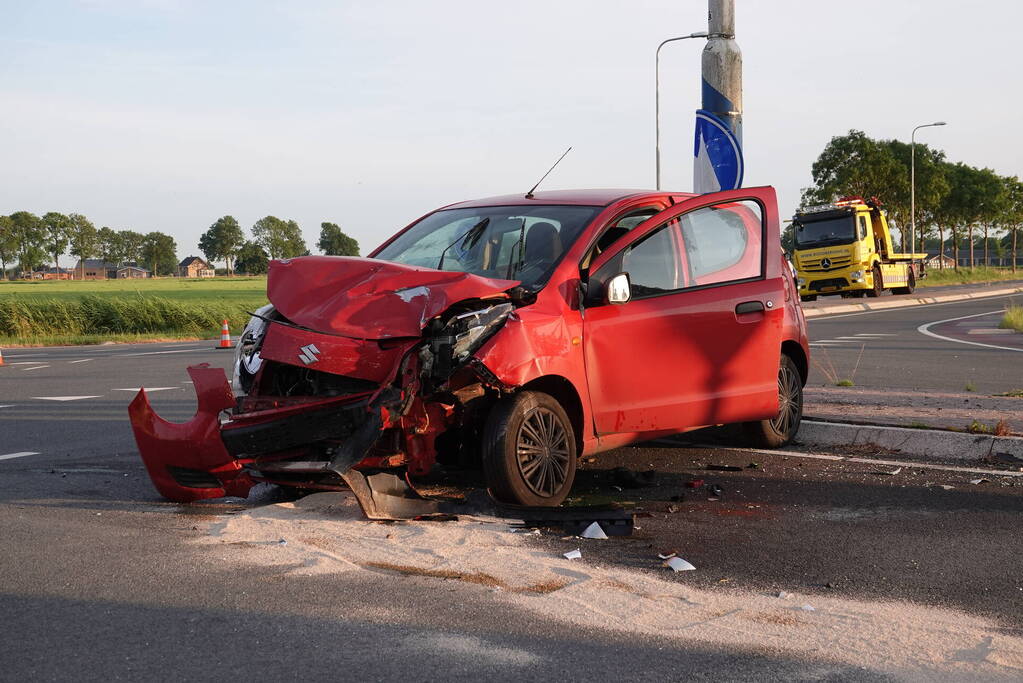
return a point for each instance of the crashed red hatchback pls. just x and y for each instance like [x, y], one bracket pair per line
[519, 333]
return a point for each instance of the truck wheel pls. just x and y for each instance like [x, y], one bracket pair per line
[878, 283]
[910, 285]
[780, 430]
[529, 453]
[808, 297]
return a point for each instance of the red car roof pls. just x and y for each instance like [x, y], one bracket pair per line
[592, 197]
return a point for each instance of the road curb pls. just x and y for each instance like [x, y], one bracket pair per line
[903, 302]
[927, 443]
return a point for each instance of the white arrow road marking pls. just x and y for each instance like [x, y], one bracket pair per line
[62, 398]
[137, 389]
[84, 360]
[11, 456]
[38, 367]
[925, 329]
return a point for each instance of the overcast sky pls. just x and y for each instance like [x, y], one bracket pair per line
[166, 114]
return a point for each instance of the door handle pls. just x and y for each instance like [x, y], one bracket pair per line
[749, 307]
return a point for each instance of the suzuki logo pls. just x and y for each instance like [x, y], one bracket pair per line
[310, 354]
[825, 263]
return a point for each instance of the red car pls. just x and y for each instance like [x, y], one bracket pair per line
[518, 332]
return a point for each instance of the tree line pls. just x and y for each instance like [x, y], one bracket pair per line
[953, 200]
[30, 241]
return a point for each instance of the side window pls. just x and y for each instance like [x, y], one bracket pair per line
[617, 230]
[863, 226]
[723, 242]
[650, 263]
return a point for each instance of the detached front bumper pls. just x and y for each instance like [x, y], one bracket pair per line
[206, 458]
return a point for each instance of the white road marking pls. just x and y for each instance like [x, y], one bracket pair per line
[158, 353]
[62, 398]
[137, 389]
[872, 334]
[925, 329]
[11, 456]
[876, 461]
[38, 367]
[858, 338]
[84, 360]
[25, 362]
[9, 405]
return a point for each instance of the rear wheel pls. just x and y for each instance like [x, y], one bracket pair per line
[910, 285]
[878, 283]
[782, 428]
[529, 451]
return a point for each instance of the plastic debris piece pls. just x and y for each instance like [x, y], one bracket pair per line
[677, 564]
[885, 473]
[694, 484]
[593, 531]
[665, 557]
[724, 468]
[980, 481]
[574, 554]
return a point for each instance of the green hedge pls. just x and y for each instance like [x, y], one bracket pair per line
[106, 315]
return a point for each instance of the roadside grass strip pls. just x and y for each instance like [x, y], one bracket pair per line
[12, 456]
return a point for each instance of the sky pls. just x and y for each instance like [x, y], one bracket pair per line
[167, 114]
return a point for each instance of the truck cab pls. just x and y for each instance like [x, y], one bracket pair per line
[845, 248]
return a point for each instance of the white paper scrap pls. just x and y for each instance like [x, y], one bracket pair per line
[679, 565]
[573, 554]
[593, 531]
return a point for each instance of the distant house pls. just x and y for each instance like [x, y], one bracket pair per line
[131, 272]
[940, 261]
[50, 273]
[193, 266]
[96, 269]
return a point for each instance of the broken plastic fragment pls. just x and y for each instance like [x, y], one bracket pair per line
[573, 554]
[980, 481]
[677, 564]
[665, 557]
[893, 472]
[593, 531]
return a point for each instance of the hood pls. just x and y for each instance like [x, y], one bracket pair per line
[369, 298]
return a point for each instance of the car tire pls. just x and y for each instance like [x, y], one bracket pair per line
[878, 283]
[808, 297]
[910, 285]
[529, 450]
[780, 430]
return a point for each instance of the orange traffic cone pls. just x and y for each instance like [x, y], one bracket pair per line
[1, 356]
[225, 337]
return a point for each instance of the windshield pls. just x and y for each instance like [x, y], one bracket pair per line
[507, 242]
[837, 230]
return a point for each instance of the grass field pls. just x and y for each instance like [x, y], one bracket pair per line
[964, 276]
[95, 311]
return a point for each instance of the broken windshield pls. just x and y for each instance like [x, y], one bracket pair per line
[838, 230]
[507, 242]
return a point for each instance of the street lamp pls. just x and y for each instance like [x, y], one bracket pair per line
[912, 185]
[657, 96]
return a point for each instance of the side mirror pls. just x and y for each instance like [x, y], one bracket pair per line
[618, 289]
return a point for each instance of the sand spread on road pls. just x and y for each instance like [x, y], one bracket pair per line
[326, 533]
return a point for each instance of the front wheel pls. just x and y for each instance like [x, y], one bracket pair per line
[529, 451]
[878, 283]
[782, 428]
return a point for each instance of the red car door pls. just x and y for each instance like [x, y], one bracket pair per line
[699, 342]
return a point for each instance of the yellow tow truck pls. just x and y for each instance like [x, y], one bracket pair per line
[846, 248]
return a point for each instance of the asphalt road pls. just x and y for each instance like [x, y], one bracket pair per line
[885, 349]
[101, 579]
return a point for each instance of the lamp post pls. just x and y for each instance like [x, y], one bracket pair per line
[912, 184]
[657, 96]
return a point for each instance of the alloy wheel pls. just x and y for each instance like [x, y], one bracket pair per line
[790, 400]
[542, 451]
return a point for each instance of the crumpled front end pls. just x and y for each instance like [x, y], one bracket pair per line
[311, 406]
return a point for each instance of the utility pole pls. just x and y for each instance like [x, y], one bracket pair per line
[722, 66]
[718, 162]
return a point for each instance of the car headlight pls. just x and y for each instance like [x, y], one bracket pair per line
[856, 274]
[471, 329]
[246, 351]
[801, 281]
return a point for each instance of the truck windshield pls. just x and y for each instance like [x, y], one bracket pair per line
[507, 242]
[838, 230]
